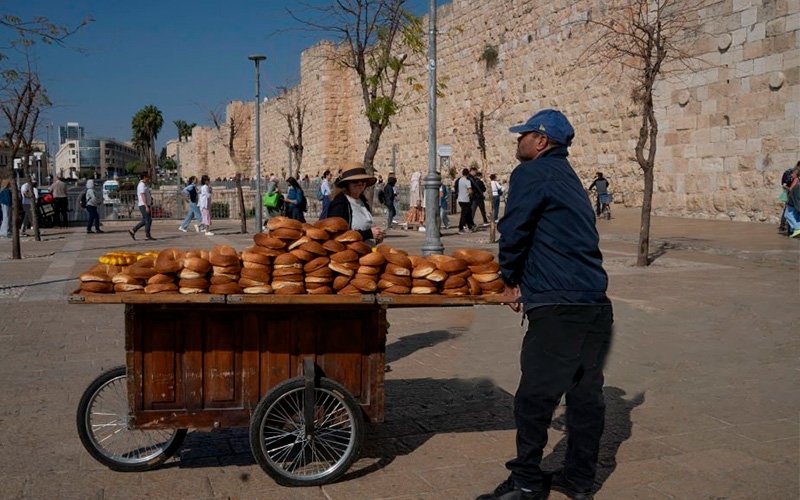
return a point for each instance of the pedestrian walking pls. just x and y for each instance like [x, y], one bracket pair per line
[389, 198]
[444, 197]
[91, 208]
[792, 210]
[60, 202]
[325, 193]
[463, 188]
[273, 200]
[497, 194]
[29, 195]
[192, 196]
[296, 202]
[600, 186]
[204, 202]
[5, 206]
[550, 261]
[478, 197]
[144, 199]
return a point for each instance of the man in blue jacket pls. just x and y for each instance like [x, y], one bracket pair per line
[551, 263]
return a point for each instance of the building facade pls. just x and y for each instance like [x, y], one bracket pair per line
[94, 158]
[72, 131]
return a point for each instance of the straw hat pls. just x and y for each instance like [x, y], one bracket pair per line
[355, 172]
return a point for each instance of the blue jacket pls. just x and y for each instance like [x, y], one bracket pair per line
[549, 245]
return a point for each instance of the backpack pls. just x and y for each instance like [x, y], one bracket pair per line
[382, 197]
[320, 196]
[302, 205]
[83, 198]
[786, 178]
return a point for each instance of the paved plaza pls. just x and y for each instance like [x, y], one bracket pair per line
[701, 387]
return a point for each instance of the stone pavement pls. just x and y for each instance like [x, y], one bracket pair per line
[701, 383]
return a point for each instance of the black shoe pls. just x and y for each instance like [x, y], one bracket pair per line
[98, 231]
[89, 231]
[149, 238]
[133, 235]
[563, 485]
[508, 491]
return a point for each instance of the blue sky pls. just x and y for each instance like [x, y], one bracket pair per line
[186, 58]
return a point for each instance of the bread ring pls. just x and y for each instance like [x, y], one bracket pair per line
[246, 283]
[169, 260]
[194, 283]
[96, 277]
[397, 290]
[227, 289]
[286, 260]
[219, 279]
[422, 268]
[255, 257]
[317, 234]
[160, 279]
[196, 264]
[223, 255]
[253, 265]
[371, 277]
[255, 274]
[486, 277]
[303, 255]
[323, 290]
[448, 264]
[340, 282]
[474, 286]
[314, 247]
[128, 287]
[349, 237]
[318, 279]
[464, 290]
[97, 287]
[473, 256]
[423, 282]
[399, 259]
[374, 259]
[388, 280]
[332, 224]
[424, 290]
[227, 269]
[279, 222]
[372, 270]
[191, 291]
[266, 241]
[142, 268]
[349, 290]
[438, 276]
[289, 289]
[489, 267]
[322, 272]
[344, 256]
[258, 290]
[286, 234]
[466, 273]
[300, 241]
[289, 278]
[495, 286]
[339, 267]
[161, 288]
[318, 263]
[287, 271]
[333, 246]
[386, 249]
[365, 285]
[397, 270]
[454, 282]
[125, 279]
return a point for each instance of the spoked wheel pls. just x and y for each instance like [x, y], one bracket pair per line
[284, 447]
[103, 428]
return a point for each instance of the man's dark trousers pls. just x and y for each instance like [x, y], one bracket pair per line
[466, 216]
[479, 204]
[564, 350]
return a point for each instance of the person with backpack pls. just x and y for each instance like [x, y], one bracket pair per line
[792, 211]
[478, 194]
[191, 194]
[388, 199]
[296, 203]
[497, 194]
[324, 193]
[786, 180]
[205, 204]
[5, 206]
[444, 198]
[351, 204]
[91, 202]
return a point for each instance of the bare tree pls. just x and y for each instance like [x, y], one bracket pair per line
[644, 38]
[21, 105]
[292, 106]
[377, 37]
[236, 125]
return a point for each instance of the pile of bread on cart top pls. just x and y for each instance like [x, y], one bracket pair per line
[293, 258]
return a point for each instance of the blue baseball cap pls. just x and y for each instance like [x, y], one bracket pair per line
[548, 122]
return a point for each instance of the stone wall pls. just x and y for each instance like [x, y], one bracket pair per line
[729, 125]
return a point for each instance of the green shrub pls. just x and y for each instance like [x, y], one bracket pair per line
[220, 210]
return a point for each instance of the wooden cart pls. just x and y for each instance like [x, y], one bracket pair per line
[301, 371]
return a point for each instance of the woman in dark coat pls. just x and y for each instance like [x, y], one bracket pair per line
[351, 204]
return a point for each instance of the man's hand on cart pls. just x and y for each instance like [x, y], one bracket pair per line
[511, 293]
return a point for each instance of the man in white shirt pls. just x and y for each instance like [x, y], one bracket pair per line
[145, 202]
[325, 193]
[29, 194]
[464, 190]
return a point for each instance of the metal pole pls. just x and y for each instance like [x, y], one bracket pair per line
[259, 221]
[433, 240]
[178, 174]
[394, 159]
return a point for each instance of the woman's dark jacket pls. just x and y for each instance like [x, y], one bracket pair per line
[340, 207]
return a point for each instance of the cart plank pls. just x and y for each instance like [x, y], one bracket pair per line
[301, 299]
[145, 298]
[438, 300]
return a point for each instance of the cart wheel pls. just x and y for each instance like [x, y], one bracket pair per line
[103, 427]
[278, 433]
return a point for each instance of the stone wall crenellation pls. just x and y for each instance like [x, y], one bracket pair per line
[729, 124]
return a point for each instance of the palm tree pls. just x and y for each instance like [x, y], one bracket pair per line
[146, 125]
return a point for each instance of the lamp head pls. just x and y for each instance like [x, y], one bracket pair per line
[257, 57]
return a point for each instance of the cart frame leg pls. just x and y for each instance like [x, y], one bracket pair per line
[309, 395]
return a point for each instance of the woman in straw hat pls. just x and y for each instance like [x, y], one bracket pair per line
[351, 204]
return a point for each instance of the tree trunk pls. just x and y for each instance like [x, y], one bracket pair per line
[643, 253]
[16, 219]
[242, 213]
[372, 147]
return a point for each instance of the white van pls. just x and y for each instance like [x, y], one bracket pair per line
[111, 193]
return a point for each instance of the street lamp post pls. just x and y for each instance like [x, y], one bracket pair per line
[257, 58]
[433, 240]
